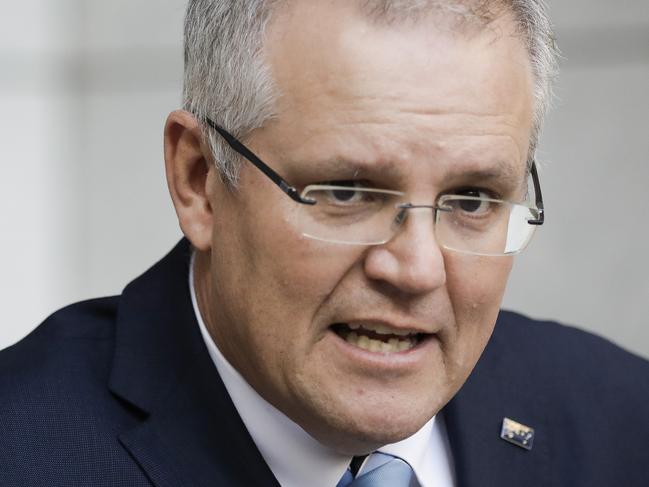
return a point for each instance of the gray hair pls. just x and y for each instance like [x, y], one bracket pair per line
[228, 80]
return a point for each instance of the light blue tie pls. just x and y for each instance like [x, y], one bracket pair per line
[385, 471]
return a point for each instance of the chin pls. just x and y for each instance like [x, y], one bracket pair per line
[389, 431]
[364, 438]
[364, 426]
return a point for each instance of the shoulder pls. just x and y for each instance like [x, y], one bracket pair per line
[71, 350]
[578, 354]
[56, 412]
[81, 329]
[585, 397]
[576, 375]
[61, 416]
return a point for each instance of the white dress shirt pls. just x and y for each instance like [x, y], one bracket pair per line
[295, 457]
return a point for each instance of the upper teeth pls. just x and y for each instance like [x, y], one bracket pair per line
[393, 345]
[380, 329]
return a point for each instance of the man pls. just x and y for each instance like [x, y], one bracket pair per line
[352, 179]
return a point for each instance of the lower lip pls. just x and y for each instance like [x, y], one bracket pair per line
[395, 360]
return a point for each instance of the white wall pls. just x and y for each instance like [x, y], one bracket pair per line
[85, 86]
[589, 265]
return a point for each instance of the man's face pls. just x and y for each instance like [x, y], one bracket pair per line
[408, 107]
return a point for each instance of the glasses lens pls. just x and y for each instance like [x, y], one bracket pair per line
[351, 215]
[483, 226]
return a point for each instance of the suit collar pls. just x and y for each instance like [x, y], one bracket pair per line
[191, 433]
[153, 332]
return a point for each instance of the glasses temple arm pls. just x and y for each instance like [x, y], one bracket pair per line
[258, 163]
[538, 196]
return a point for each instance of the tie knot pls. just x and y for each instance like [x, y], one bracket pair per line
[382, 470]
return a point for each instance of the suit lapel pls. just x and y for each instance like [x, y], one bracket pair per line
[189, 432]
[197, 439]
[497, 388]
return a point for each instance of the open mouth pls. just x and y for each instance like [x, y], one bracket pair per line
[378, 338]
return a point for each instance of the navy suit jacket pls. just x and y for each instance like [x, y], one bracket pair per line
[121, 391]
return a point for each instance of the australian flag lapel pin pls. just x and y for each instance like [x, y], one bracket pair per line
[517, 433]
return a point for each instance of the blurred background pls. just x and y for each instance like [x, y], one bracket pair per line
[85, 86]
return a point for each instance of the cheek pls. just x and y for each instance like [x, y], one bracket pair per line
[476, 286]
[288, 275]
[300, 267]
[476, 283]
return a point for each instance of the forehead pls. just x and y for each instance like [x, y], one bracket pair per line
[409, 86]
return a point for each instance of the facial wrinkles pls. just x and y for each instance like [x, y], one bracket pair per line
[347, 106]
[447, 152]
[357, 299]
[403, 131]
[393, 147]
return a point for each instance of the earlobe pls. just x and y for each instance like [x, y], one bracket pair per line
[189, 173]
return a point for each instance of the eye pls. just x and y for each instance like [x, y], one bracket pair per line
[471, 205]
[341, 195]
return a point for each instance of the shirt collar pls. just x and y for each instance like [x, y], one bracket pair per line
[294, 456]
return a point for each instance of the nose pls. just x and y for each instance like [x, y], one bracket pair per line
[411, 261]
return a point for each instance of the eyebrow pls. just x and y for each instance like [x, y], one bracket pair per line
[355, 168]
[502, 171]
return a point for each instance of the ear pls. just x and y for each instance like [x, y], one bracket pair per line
[189, 170]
